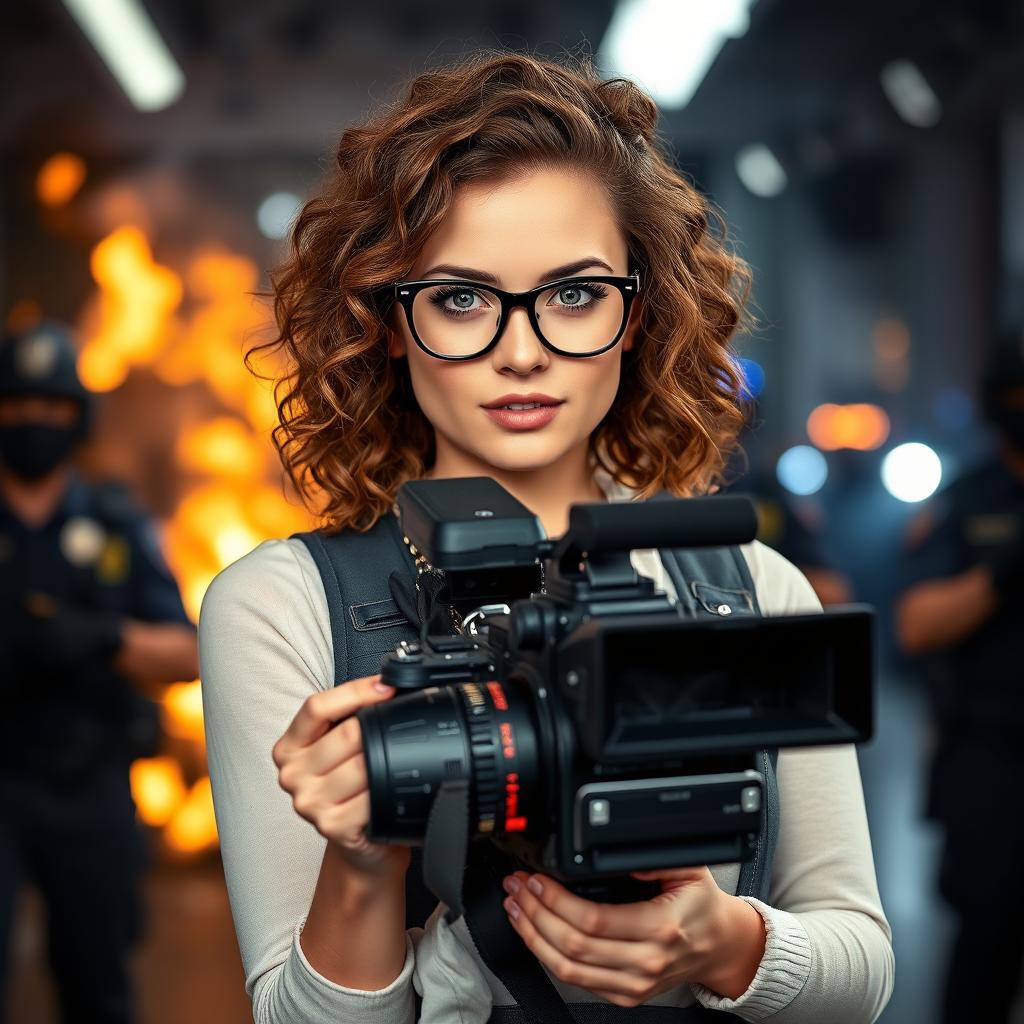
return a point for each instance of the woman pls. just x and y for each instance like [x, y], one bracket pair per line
[512, 173]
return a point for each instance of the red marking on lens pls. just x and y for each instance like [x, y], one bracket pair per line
[508, 739]
[498, 696]
[513, 821]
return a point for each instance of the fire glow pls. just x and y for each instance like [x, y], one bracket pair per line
[188, 328]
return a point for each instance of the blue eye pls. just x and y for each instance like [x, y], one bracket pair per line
[462, 299]
[577, 297]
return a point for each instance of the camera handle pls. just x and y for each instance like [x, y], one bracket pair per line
[662, 522]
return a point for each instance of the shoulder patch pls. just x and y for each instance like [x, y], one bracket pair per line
[114, 563]
[82, 540]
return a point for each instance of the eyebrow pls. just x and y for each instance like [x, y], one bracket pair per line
[566, 270]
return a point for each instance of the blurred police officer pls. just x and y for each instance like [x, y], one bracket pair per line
[796, 534]
[89, 617]
[964, 611]
[795, 531]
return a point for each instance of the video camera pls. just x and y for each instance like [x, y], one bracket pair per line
[588, 728]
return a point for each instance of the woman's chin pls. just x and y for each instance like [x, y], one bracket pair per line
[525, 453]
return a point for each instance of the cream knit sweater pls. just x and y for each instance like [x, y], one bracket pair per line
[265, 645]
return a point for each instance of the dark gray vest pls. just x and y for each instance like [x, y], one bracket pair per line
[366, 625]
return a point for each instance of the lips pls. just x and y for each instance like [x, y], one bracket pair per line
[533, 399]
[532, 418]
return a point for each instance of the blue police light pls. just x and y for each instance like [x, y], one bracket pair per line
[953, 408]
[752, 378]
[802, 470]
[912, 472]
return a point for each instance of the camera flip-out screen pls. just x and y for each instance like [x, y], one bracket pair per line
[656, 687]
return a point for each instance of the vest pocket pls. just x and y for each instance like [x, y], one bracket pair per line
[722, 601]
[379, 626]
[376, 615]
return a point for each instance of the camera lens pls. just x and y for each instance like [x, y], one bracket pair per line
[483, 732]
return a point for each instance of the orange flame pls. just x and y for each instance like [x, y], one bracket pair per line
[158, 789]
[209, 347]
[193, 827]
[234, 499]
[137, 298]
[183, 711]
[60, 178]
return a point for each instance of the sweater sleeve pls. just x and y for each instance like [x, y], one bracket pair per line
[263, 651]
[828, 951]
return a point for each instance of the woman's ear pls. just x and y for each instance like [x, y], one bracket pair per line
[396, 336]
[396, 344]
[632, 326]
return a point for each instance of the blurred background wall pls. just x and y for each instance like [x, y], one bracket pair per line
[869, 161]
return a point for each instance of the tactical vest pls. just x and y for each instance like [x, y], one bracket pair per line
[366, 625]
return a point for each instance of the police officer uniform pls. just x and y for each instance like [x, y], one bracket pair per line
[977, 689]
[780, 526]
[73, 724]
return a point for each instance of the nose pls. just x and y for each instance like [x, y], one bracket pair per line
[519, 349]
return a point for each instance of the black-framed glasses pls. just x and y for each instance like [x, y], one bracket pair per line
[575, 316]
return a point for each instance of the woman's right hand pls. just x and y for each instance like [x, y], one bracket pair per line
[320, 763]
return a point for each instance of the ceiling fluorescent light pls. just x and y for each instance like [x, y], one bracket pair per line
[910, 94]
[132, 49]
[667, 46]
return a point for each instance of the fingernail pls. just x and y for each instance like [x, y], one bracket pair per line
[512, 884]
[513, 909]
[535, 887]
[383, 687]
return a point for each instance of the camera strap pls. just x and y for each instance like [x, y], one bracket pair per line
[367, 624]
[500, 946]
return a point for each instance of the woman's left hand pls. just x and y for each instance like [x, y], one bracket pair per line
[627, 953]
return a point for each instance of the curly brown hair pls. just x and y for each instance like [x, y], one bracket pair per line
[350, 430]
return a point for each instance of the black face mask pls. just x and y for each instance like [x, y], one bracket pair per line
[31, 450]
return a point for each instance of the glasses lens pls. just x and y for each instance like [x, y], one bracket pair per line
[580, 316]
[456, 320]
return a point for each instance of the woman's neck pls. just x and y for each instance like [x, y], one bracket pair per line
[547, 491]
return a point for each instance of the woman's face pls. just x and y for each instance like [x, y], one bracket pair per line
[517, 231]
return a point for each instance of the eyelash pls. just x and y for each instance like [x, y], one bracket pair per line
[440, 297]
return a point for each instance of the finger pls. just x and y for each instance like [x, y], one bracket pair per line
[695, 874]
[345, 781]
[638, 957]
[346, 822]
[336, 746]
[620, 1000]
[327, 707]
[566, 970]
[631, 921]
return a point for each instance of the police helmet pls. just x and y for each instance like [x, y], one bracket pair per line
[40, 361]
